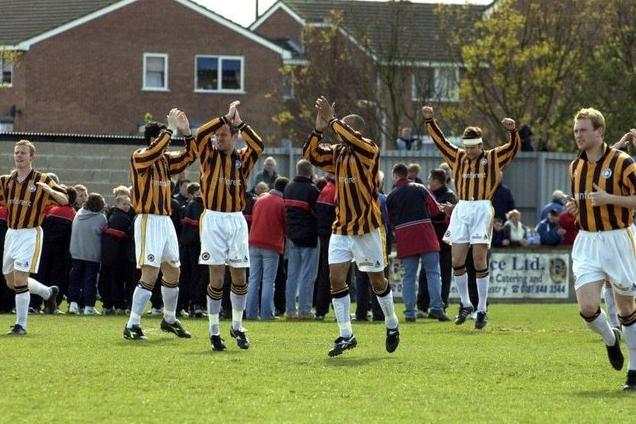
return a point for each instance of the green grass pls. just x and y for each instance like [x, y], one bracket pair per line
[533, 363]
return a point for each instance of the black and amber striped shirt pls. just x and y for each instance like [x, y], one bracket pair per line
[25, 201]
[151, 169]
[615, 173]
[354, 163]
[224, 176]
[475, 179]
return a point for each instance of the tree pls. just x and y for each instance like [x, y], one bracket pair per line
[526, 59]
[362, 73]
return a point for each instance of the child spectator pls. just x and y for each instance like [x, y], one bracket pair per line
[117, 256]
[86, 251]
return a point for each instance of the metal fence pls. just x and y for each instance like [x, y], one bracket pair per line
[531, 176]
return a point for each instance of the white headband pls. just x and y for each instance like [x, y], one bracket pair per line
[471, 141]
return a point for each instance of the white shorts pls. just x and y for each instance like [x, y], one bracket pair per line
[606, 255]
[224, 239]
[470, 222]
[22, 250]
[368, 250]
[156, 241]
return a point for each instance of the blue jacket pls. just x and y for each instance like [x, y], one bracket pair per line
[548, 233]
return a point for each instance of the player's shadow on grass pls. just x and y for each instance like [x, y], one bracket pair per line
[149, 342]
[603, 394]
[354, 361]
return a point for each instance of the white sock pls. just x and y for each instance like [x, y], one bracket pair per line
[630, 340]
[461, 282]
[39, 289]
[610, 305]
[238, 306]
[602, 327]
[482, 291]
[341, 306]
[22, 308]
[214, 309]
[170, 297]
[386, 303]
[140, 299]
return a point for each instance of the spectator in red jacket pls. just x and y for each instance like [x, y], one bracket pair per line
[267, 242]
[567, 228]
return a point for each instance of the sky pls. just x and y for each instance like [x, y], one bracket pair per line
[243, 11]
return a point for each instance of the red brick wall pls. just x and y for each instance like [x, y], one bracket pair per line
[89, 79]
[280, 25]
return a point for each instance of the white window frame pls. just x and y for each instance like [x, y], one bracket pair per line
[164, 56]
[415, 96]
[12, 70]
[221, 58]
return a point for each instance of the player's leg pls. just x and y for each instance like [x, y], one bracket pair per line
[170, 296]
[460, 277]
[480, 258]
[610, 305]
[627, 316]
[238, 294]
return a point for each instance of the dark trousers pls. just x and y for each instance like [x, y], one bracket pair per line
[280, 284]
[156, 301]
[322, 288]
[365, 298]
[194, 279]
[55, 264]
[7, 297]
[83, 282]
[446, 269]
[114, 280]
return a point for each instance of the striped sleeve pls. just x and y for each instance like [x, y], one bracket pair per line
[254, 146]
[143, 158]
[49, 200]
[366, 149]
[629, 175]
[179, 161]
[448, 150]
[506, 152]
[3, 186]
[205, 133]
[319, 154]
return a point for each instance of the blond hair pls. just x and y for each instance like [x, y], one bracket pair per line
[121, 190]
[28, 144]
[595, 117]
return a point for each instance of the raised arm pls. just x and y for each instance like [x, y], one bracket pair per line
[448, 150]
[368, 149]
[506, 152]
[625, 140]
[318, 153]
[179, 161]
[143, 158]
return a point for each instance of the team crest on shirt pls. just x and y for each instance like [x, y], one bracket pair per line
[32, 188]
[205, 256]
[151, 258]
[607, 172]
[237, 164]
[484, 161]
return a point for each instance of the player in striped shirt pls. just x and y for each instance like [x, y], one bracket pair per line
[358, 231]
[156, 244]
[604, 197]
[222, 226]
[26, 194]
[477, 175]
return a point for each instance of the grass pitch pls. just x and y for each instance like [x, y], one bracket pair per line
[532, 363]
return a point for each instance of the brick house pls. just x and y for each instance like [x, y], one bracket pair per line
[99, 66]
[427, 69]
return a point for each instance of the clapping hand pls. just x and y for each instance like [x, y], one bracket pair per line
[509, 124]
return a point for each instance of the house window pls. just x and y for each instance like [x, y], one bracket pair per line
[218, 73]
[288, 86]
[436, 84]
[6, 75]
[155, 72]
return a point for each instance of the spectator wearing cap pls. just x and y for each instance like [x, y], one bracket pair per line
[559, 199]
[548, 229]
